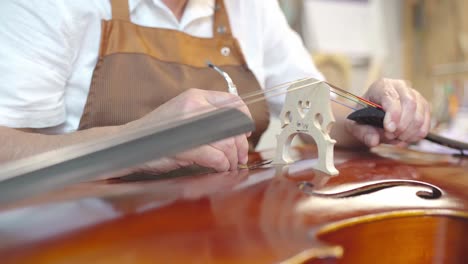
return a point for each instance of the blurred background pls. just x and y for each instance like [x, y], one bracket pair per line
[355, 42]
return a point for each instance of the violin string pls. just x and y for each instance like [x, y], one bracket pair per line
[336, 90]
[343, 104]
[367, 102]
[274, 88]
[256, 96]
[351, 99]
[269, 95]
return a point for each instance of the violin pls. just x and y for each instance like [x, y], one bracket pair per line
[387, 205]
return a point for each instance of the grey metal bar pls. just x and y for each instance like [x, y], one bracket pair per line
[55, 169]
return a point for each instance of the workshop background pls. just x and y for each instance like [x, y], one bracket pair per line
[355, 42]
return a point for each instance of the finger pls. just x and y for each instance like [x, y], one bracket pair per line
[402, 144]
[416, 120]
[367, 134]
[240, 105]
[229, 149]
[423, 130]
[242, 149]
[233, 101]
[205, 100]
[409, 105]
[206, 156]
[162, 165]
[224, 99]
[425, 124]
[427, 121]
[397, 143]
[389, 136]
[384, 92]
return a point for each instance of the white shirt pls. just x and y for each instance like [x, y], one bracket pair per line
[49, 48]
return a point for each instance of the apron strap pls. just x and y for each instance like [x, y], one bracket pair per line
[120, 10]
[221, 24]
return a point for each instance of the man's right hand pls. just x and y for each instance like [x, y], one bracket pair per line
[221, 156]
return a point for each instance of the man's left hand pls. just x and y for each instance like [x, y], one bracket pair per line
[407, 117]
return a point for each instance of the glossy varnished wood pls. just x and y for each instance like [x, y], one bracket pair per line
[405, 238]
[251, 216]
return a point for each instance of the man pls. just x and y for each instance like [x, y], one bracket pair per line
[75, 70]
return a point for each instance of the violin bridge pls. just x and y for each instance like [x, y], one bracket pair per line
[307, 110]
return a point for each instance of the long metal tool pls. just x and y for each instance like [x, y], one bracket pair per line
[59, 168]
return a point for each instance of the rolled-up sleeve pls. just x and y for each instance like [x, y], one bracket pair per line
[35, 62]
[286, 58]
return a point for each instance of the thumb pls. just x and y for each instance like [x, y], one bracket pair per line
[369, 135]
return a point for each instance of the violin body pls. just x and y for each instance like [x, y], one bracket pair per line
[388, 205]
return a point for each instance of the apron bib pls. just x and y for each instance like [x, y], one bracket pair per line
[140, 68]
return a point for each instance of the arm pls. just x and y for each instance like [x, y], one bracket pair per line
[36, 60]
[19, 144]
[222, 155]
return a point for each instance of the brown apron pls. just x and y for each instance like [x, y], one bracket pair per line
[140, 68]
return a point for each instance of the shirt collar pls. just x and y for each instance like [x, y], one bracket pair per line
[195, 8]
[200, 7]
[132, 4]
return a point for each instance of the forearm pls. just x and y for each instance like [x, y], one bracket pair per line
[17, 144]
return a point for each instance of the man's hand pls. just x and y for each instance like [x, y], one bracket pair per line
[407, 117]
[223, 155]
